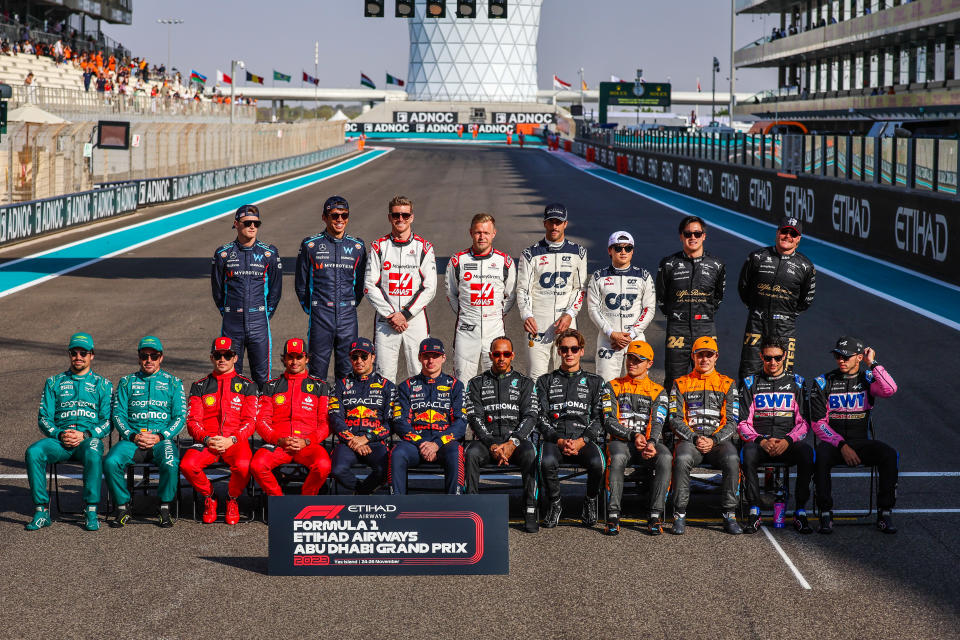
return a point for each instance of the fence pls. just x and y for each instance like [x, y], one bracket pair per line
[42, 161]
[927, 164]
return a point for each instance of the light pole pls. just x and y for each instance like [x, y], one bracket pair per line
[316, 82]
[169, 22]
[733, 33]
[713, 99]
[233, 83]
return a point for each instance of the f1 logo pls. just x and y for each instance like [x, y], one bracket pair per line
[481, 294]
[401, 284]
[327, 512]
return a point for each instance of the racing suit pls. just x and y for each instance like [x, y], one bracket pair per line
[76, 402]
[400, 276]
[775, 288]
[689, 291]
[247, 282]
[640, 408]
[502, 408]
[841, 406]
[292, 406]
[329, 284]
[550, 282]
[481, 291]
[362, 406]
[573, 405]
[429, 410]
[771, 407]
[220, 405]
[704, 405]
[619, 300]
[146, 404]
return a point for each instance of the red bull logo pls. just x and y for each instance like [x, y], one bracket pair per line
[361, 412]
[430, 416]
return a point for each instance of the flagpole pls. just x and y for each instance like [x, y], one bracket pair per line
[316, 74]
[581, 90]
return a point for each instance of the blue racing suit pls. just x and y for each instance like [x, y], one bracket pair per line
[247, 282]
[329, 284]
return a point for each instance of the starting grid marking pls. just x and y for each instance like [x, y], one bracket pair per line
[22, 273]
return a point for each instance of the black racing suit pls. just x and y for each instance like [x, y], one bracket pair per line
[775, 288]
[573, 405]
[689, 290]
[501, 408]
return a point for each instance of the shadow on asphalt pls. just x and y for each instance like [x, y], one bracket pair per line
[253, 564]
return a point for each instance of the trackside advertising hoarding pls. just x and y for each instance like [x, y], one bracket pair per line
[388, 535]
[910, 228]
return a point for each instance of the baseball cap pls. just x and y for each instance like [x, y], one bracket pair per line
[705, 343]
[294, 345]
[82, 340]
[555, 211]
[362, 344]
[789, 222]
[247, 211]
[848, 346]
[640, 349]
[222, 343]
[431, 345]
[150, 342]
[620, 237]
[335, 202]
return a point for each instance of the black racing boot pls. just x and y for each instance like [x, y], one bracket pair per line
[121, 517]
[165, 520]
[885, 522]
[553, 515]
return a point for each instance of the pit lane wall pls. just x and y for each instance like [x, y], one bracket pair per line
[916, 230]
[31, 219]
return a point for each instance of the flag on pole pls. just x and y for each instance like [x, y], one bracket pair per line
[253, 78]
[365, 81]
[282, 77]
[559, 84]
[614, 78]
[196, 77]
[223, 78]
[394, 80]
[698, 84]
[309, 78]
[583, 85]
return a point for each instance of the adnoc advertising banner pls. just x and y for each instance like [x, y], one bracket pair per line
[388, 535]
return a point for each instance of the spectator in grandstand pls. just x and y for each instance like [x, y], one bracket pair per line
[703, 416]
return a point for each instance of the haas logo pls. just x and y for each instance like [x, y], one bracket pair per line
[481, 294]
[621, 301]
[401, 284]
[553, 280]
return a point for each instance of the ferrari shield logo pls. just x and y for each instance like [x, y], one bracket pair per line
[310, 386]
[237, 386]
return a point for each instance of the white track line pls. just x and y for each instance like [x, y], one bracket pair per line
[783, 554]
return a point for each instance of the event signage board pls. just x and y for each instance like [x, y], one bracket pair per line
[388, 535]
[421, 127]
[425, 117]
[523, 117]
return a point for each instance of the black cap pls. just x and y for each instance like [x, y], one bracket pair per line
[335, 202]
[555, 211]
[247, 211]
[431, 345]
[848, 346]
[362, 344]
[790, 222]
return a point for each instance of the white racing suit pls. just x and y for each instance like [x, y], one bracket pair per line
[619, 300]
[401, 276]
[550, 281]
[481, 290]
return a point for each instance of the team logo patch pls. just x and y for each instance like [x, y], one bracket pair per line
[210, 400]
[310, 245]
[356, 246]
[467, 276]
[279, 398]
[268, 254]
[223, 254]
[237, 386]
[376, 385]
[387, 265]
[310, 386]
[442, 387]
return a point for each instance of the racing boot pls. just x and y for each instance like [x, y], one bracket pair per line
[41, 518]
[589, 515]
[233, 512]
[654, 525]
[753, 521]
[530, 523]
[679, 524]
[730, 524]
[91, 523]
[553, 515]
[121, 517]
[885, 522]
[613, 524]
[165, 520]
[209, 510]
[800, 522]
[826, 522]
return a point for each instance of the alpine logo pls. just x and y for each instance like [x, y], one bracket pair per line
[325, 511]
[481, 294]
[401, 284]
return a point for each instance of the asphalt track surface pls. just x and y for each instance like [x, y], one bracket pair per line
[211, 581]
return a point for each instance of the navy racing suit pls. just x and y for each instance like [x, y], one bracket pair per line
[361, 406]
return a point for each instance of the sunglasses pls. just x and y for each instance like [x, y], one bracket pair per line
[79, 352]
[772, 358]
[501, 354]
[359, 355]
[636, 360]
[250, 223]
[397, 215]
[150, 356]
[693, 234]
[705, 354]
[622, 248]
[565, 349]
[789, 232]
[338, 216]
[223, 355]
[840, 356]
[295, 356]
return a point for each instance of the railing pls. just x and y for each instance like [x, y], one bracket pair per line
[929, 164]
